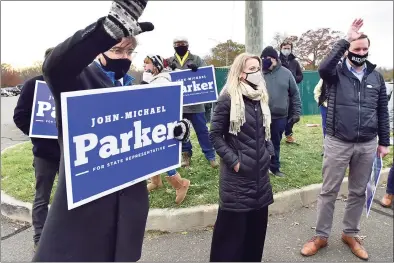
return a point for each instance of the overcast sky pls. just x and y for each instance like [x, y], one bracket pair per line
[25, 34]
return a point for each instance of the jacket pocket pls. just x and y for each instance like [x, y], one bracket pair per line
[243, 169]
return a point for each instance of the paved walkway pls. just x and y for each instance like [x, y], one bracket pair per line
[286, 233]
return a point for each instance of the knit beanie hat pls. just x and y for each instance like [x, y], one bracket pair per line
[157, 61]
[269, 52]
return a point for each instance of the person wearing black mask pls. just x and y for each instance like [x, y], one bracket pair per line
[181, 60]
[283, 93]
[46, 156]
[357, 131]
[112, 227]
[289, 61]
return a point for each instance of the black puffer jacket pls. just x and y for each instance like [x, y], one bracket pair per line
[292, 64]
[250, 188]
[357, 111]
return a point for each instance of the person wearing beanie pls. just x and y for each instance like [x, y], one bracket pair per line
[289, 61]
[155, 72]
[283, 93]
[182, 60]
[46, 154]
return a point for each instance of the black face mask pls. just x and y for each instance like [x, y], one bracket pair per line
[118, 66]
[181, 50]
[357, 60]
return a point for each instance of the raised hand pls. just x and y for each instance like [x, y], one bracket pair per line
[123, 18]
[353, 32]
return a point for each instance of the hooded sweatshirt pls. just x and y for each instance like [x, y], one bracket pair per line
[282, 89]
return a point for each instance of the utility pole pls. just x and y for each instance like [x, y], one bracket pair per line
[254, 27]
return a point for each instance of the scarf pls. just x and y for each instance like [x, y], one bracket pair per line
[237, 111]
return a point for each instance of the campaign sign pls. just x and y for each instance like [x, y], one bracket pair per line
[43, 117]
[198, 87]
[116, 137]
[373, 183]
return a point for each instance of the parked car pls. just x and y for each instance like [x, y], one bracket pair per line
[5, 93]
[12, 90]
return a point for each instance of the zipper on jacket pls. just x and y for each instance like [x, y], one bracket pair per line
[359, 108]
[258, 150]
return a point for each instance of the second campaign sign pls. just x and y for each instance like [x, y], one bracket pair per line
[43, 117]
[116, 137]
[198, 87]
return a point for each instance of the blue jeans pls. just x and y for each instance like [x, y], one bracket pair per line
[278, 126]
[390, 182]
[200, 127]
[323, 112]
[171, 172]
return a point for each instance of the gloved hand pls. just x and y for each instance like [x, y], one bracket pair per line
[193, 67]
[173, 66]
[122, 19]
[294, 119]
[182, 130]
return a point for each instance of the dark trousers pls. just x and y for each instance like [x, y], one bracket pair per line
[45, 173]
[239, 236]
[277, 128]
[200, 127]
[208, 111]
[390, 182]
[323, 112]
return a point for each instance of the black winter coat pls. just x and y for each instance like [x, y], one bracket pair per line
[107, 229]
[357, 111]
[47, 149]
[292, 64]
[250, 188]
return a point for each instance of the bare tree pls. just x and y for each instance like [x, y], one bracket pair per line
[314, 45]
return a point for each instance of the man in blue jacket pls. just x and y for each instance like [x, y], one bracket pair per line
[46, 156]
[357, 132]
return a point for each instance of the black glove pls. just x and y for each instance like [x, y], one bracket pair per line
[173, 66]
[193, 67]
[122, 19]
[294, 119]
[182, 130]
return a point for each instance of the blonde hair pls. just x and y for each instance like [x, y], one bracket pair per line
[234, 75]
[155, 71]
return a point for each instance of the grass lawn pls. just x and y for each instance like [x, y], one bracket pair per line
[301, 163]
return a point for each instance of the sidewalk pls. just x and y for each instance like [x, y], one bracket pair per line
[286, 234]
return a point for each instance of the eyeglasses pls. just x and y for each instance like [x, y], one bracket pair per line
[121, 51]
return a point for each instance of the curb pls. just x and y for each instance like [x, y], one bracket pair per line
[192, 218]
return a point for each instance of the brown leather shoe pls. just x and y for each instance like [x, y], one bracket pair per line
[355, 245]
[387, 200]
[290, 139]
[312, 246]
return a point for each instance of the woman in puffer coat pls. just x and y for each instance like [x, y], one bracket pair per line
[240, 133]
[155, 71]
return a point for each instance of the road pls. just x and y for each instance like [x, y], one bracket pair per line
[286, 233]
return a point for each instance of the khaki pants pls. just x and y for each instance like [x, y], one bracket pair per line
[338, 155]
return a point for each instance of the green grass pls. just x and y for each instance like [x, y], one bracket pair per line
[300, 162]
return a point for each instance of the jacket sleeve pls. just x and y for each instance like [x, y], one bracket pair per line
[219, 127]
[295, 100]
[299, 76]
[383, 116]
[327, 68]
[70, 57]
[23, 109]
[317, 90]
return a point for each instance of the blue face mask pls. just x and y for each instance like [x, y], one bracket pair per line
[267, 63]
